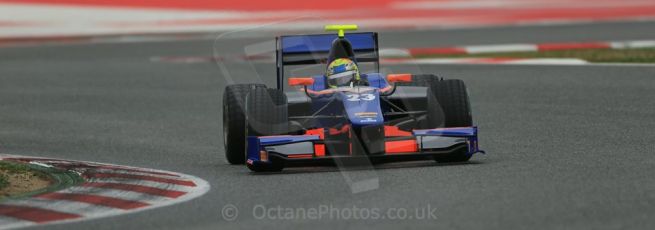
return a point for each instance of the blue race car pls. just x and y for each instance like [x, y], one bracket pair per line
[349, 111]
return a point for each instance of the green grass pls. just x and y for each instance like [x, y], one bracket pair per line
[16, 168]
[643, 55]
[12, 167]
[3, 181]
[9, 168]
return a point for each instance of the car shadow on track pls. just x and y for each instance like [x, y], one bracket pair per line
[386, 166]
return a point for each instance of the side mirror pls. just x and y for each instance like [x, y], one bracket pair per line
[304, 81]
[404, 77]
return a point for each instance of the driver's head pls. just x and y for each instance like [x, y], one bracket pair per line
[341, 72]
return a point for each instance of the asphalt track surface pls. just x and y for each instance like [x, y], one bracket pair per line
[568, 147]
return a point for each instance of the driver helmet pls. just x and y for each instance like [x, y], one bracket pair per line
[341, 72]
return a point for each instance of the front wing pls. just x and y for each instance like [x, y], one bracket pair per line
[308, 149]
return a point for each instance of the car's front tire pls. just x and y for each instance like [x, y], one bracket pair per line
[234, 121]
[448, 107]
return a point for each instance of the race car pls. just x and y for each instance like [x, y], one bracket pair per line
[347, 110]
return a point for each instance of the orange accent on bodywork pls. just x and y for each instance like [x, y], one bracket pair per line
[295, 81]
[319, 150]
[343, 129]
[404, 146]
[263, 155]
[393, 131]
[404, 77]
[350, 135]
[320, 132]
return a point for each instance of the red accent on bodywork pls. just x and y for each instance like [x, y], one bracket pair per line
[404, 77]
[404, 146]
[343, 129]
[393, 131]
[295, 81]
[319, 150]
[320, 132]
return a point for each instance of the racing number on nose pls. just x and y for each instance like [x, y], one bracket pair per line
[360, 97]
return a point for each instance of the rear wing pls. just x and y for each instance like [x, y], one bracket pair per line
[314, 49]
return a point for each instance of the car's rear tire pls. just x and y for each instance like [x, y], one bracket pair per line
[266, 115]
[234, 123]
[453, 110]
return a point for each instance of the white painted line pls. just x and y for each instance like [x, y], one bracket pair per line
[640, 44]
[647, 65]
[618, 45]
[394, 53]
[504, 48]
[125, 195]
[13, 222]
[153, 184]
[550, 61]
[632, 44]
[440, 60]
[118, 171]
[491, 61]
[500, 48]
